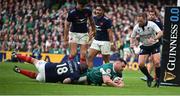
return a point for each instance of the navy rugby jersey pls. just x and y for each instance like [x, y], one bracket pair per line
[102, 25]
[159, 23]
[79, 19]
[58, 72]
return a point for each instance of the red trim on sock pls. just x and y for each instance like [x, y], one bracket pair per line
[82, 60]
[24, 58]
[28, 73]
[70, 57]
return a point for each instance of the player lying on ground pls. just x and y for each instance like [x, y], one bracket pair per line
[109, 74]
[68, 72]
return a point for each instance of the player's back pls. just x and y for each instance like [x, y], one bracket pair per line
[95, 75]
[58, 72]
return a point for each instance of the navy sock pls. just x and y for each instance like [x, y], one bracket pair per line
[158, 72]
[145, 72]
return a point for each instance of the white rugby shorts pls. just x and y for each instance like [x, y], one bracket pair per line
[103, 46]
[79, 38]
[40, 65]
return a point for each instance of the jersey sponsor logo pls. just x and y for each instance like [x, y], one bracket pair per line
[81, 20]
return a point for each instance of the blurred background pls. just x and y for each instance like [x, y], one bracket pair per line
[37, 26]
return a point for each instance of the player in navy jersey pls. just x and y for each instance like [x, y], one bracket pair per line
[149, 34]
[76, 31]
[68, 72]
[152, 16]
[103, 40]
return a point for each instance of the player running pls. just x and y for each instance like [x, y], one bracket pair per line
[153, 16]
[149, 34]
[68, 72]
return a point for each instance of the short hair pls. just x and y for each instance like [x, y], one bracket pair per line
[153, 11]
[83, 2]
[102, 7]
[122, 60]
[143, 14]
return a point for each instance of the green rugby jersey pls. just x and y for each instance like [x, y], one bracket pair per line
[95, 75]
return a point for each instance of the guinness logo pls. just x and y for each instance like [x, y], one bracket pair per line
[169, 76]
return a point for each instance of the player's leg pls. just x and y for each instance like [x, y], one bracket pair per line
[91, 54]
[73, 44]
[83, 40]
[150, 64]
[25, 58]
[142, 59]
[25, 72]
[73, 50]
[105, 50]
[83, 51]
[151, 67]
[106, 58]
[156, 59]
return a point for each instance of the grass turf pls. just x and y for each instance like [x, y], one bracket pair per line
[12, 83]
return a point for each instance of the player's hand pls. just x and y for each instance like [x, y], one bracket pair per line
[151, 40]
[91, 35]
[118, 81]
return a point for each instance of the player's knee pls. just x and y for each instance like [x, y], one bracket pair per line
[71, 57]
[83, 53]
[156, 63]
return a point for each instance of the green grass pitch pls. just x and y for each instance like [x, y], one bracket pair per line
[12, 83]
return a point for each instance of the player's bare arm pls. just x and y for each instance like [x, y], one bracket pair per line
[110, 32]
[66, 33]
[67, 81]
[93, 27]
[159, 35]
[107, 80]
